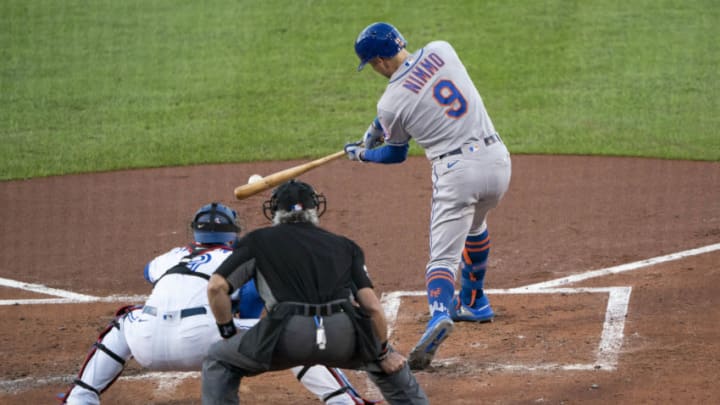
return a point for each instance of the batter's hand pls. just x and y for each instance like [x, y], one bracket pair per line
[354, 151]
[374, 136]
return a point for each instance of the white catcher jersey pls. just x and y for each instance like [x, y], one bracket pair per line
[165, 294]
[160, 342]
[432, 99]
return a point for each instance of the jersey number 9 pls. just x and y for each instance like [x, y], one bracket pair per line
[446, 94]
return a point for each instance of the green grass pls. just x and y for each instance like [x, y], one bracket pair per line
[106, 85]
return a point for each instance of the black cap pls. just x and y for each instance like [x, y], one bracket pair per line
[295, 196]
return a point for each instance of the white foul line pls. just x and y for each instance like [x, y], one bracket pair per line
[112, 298]
[39, 288]
[168, 380]
[621, 268]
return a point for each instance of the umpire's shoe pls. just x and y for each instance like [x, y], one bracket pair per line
[438, 329]
[481, 311]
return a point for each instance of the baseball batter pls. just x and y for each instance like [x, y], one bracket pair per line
[175, 327]
[431, 98]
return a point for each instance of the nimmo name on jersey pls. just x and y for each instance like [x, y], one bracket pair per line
[422, 72]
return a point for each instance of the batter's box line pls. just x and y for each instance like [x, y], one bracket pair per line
[611, 338]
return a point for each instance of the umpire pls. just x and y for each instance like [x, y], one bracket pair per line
[321, 308]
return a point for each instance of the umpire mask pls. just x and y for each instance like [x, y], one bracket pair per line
[294, 196]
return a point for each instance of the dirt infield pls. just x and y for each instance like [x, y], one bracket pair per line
[583, 315]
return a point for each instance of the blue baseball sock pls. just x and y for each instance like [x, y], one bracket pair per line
[440, 284]
[475, 257]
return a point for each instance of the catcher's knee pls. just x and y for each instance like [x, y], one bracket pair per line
[101, 346]
[122, 311]
[100, 343]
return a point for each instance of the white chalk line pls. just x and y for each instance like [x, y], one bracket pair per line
[518, 368]
[112, 298]
[606, 356]
[41, 289]
[167, 380]
[612, 336]
[621, 268]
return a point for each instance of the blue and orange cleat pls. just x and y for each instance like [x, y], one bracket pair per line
[438, 329]
[480, 311]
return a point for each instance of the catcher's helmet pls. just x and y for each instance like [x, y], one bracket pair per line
[215, 223]
[378, 40]
[292, 196]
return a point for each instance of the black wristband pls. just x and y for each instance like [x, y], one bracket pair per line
[227, 330]
[385, 350]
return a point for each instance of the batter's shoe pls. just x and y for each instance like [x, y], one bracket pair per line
[438, 329]
[481, 311]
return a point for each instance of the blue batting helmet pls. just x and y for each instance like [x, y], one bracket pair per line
[215, 223]
[378, 40]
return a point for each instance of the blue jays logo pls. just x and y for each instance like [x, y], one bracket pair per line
[198, 261]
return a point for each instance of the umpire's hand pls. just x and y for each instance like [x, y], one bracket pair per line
[392, 363]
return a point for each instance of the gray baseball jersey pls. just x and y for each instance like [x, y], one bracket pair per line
[432, 99]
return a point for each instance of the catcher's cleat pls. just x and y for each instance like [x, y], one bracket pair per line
[481, 311]
[438, 329]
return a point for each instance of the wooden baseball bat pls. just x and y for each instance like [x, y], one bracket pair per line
[272, 180]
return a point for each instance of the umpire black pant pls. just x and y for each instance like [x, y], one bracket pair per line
[224, 366]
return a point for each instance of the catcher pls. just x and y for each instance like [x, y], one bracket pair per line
[174, 328]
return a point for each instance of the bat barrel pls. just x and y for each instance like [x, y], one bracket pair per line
[272, 180]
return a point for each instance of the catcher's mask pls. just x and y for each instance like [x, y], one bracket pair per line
[292, 196]
[215, 223]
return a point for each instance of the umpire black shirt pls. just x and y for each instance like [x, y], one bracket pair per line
[298, 262]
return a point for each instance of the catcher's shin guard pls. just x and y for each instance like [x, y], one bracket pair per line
[347, 388]
[330, 385]
[103, 365]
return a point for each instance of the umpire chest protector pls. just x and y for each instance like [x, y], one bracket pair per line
[303, 263]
